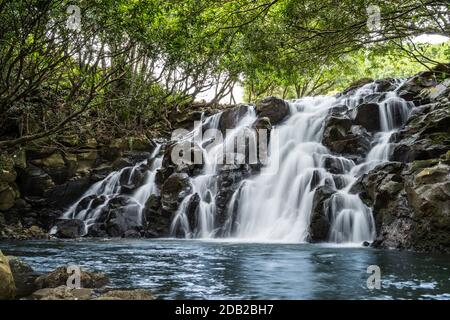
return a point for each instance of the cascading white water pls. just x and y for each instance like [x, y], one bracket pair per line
[278, 206]
[101, 193]
[205, 185]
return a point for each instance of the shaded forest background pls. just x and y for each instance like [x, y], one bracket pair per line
[115, 68]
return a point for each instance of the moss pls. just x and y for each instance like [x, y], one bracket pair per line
[440, 138]
[6, 162]
[420, 164]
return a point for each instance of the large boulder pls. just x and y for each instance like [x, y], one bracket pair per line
[59, 277]
[342, 137]
[24, 277]
[174, 190]
[230, 118]
[70, 228]
[367, 115]
[273, 108]
[7, 286]
[320, 221]
[125, 221]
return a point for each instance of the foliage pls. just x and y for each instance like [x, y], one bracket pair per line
[132, 63]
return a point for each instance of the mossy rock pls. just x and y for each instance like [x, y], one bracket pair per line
[7, 198]
[8, 176]
[6, 162]
[419, 164]
[436, 174]
[7, 286]
[53, 161]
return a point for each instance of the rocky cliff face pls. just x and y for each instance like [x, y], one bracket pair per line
[409, 195]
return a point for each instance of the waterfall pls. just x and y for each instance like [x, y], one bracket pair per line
[274, 202]
[204, 185]
[97, 198]
[278, 207]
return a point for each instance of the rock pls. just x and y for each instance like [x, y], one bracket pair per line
[174, 190]
[426, 135]
[367, 115]
[132, 234]
[138, 294]
[34, 181]
[320, 224]
[140, 144]
[8, 176]
[87, 160]
[59, 278]
[341, 137]
[273, 108]
[63, 293]
[64, 195]
[412, 88]
[336, 165]
[356, 85]
[230, 117]
[7, 286]
[124, 219]
[97, 230]
[262, 123]
[7, 198]
[24, 277]
[69, 228]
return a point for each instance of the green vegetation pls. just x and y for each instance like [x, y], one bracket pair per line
[129, 64]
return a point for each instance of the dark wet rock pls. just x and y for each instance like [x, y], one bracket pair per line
[273, 108]
[132, 234]
[338, 110]
[230, 117]
[174, 190]
[69, 228]
[367, 115]
[191, 211]
[386, 85]
[320, 221]
[157, 220]
[262, 123]
[65, 194]
[336, 165]
[97, 230]
[341, 137]
[34, 181]
[410, 205]
[124, 219]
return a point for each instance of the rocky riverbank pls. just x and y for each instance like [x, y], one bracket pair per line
[409, 195]
[19, 281]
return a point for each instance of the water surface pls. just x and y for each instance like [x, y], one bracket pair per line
[195, 269]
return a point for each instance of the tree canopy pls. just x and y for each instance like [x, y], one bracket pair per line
[128, 64]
